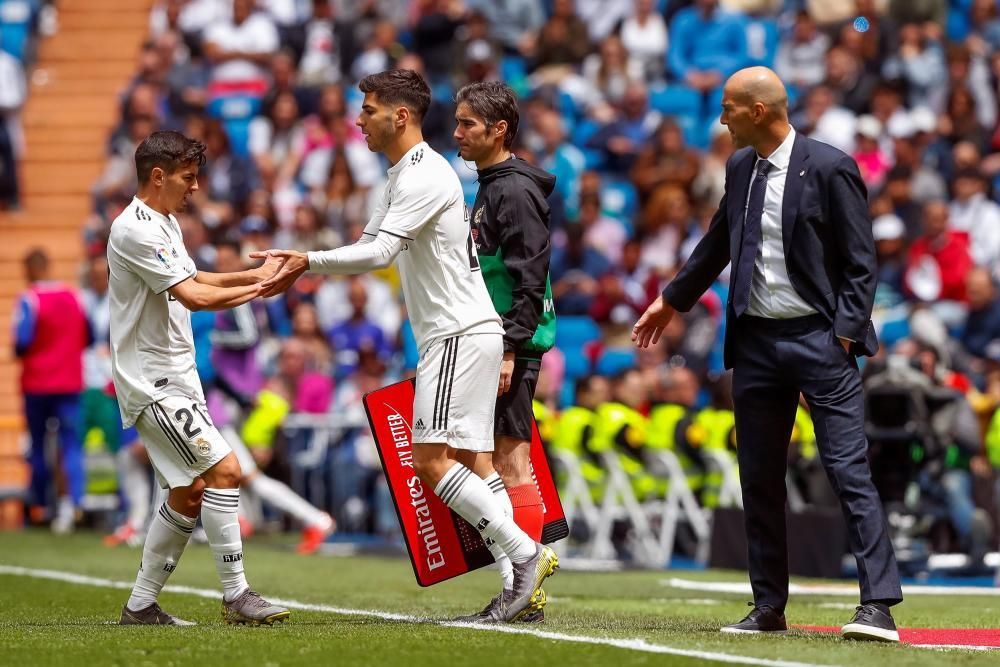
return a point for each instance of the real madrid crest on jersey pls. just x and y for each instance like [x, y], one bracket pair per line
[476, 221]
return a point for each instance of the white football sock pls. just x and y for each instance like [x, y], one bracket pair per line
[222, 526]
[169, 532]
[135, 487]
[280, 496]
[503, 562]
[472, 499]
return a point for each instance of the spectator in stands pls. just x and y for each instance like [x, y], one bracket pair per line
[118, 178]
[665, 222]
[920, 63]
[644, 36]
[899, 191]
[305, 328]
[575, 270]
[51, 334]
[665, 161]
[960, 122]
[852, 85]
[801, 61]
[821, 119]
[240, 48]
[707, 44]
[919, 11]
[293, 388]
[515, 23]
[627, 290]
[285, 79]
[972, 212]
[890, 253]
[970, 70]
[913, 140]
[601, 232]
[608, 74]
[434, 35]
[939, 260]
[872, 161]
[333, 304]
[380, 53]
[357, 333]
[13, 92]
[622, 139]
[984, 31]
[983, 324]
[273, 137]
[710, 183]
[226, 179]
[603, 16]
[563, 40]
[556, 155]
[236, 336]
[308, 232]
[342, 203]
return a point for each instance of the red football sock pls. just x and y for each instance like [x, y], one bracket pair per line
[528, 514]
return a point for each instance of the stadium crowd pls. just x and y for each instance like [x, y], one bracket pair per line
[620, 100]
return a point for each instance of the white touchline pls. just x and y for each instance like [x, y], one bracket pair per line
[639, 645]
[743, 588]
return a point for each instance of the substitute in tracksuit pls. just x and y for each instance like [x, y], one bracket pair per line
[510, 228]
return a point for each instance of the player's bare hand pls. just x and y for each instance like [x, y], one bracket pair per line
[271, 266]
[293, 265]
[506, 372]
[649, 328]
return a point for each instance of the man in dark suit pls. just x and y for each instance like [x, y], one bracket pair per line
[794, 223]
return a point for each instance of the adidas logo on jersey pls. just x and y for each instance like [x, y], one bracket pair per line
[417, 157]
[419, 425]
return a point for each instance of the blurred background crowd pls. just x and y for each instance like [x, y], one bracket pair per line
[620, 100]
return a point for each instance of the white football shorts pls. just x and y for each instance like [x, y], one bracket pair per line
[181, 440]
[456, 392]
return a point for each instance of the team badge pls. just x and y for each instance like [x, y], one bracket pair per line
[204, 447]
[475, 224]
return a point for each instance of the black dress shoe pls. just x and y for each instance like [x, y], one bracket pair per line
[871, 623]
[760, 619]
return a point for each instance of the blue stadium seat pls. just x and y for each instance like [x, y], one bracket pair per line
[236, 111]
[614, 360]
[674, 100]
[575, 331]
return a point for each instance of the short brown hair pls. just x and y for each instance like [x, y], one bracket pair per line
[493, 101]
[401, 87]
[167, 150]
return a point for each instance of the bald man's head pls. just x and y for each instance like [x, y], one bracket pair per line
[759, 84]
[754, 105]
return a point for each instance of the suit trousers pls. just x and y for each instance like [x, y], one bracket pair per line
[773, 362]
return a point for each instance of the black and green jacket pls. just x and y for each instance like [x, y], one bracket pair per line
[510, 225]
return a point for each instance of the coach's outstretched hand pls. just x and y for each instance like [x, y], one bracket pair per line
[650, 326]
[292, 265]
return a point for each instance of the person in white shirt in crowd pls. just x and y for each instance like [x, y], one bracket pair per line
[644, 35]
[240, 48]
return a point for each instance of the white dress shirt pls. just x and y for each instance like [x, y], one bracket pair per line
[771, 292]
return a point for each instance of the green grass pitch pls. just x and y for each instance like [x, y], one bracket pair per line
[54, 622]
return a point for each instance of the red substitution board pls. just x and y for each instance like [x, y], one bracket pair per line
[441, 544]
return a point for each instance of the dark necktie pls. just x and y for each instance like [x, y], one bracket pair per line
[750, 240]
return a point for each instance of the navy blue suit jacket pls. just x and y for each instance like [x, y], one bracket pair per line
[826, 232]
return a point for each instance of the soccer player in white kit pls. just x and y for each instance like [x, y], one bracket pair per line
[153, 288]
[421, 220]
